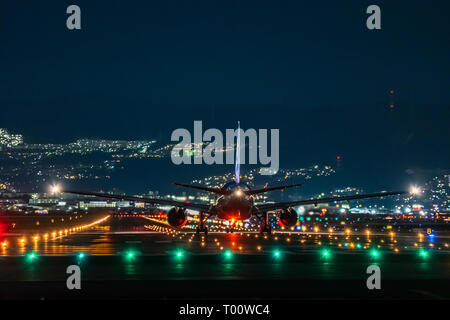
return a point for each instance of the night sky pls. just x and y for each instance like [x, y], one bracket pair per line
[140, 69]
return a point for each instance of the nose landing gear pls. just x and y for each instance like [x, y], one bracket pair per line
[201, 227]
[230, 229]
[265, 226]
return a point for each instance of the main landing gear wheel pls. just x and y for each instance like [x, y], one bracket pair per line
[201, 229]
[265, 228]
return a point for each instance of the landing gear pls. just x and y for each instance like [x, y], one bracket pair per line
[201, 227]
[230, 228]
[265, 226]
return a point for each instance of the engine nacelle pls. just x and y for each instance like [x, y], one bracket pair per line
[288, 218]
[177, 217]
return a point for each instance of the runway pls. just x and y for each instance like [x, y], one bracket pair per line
[133, 255]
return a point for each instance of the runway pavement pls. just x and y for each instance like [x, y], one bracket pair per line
[138, 258]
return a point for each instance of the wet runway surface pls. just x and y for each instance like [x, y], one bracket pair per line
[140, 258]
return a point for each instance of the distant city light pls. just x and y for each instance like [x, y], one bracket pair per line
[415, 190]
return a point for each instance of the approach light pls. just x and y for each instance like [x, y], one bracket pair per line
[238, 192]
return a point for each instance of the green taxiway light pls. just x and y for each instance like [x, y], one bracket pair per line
[32, 256]
[374, 253]
[325, 253]
[423, 253]
[228, 253]
[276, 254]
[81, 255]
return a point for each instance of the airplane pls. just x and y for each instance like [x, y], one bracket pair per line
[236, 203]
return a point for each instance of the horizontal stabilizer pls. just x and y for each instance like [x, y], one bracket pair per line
[212, 190]
[256, 191]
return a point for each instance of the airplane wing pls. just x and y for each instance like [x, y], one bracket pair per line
[212, 190]
[205, 208]
[282, 205]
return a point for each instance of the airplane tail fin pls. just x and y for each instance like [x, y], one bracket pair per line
[237, 168]
[256, 191]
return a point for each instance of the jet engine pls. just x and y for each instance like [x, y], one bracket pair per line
[287, 217]
[177, 217]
